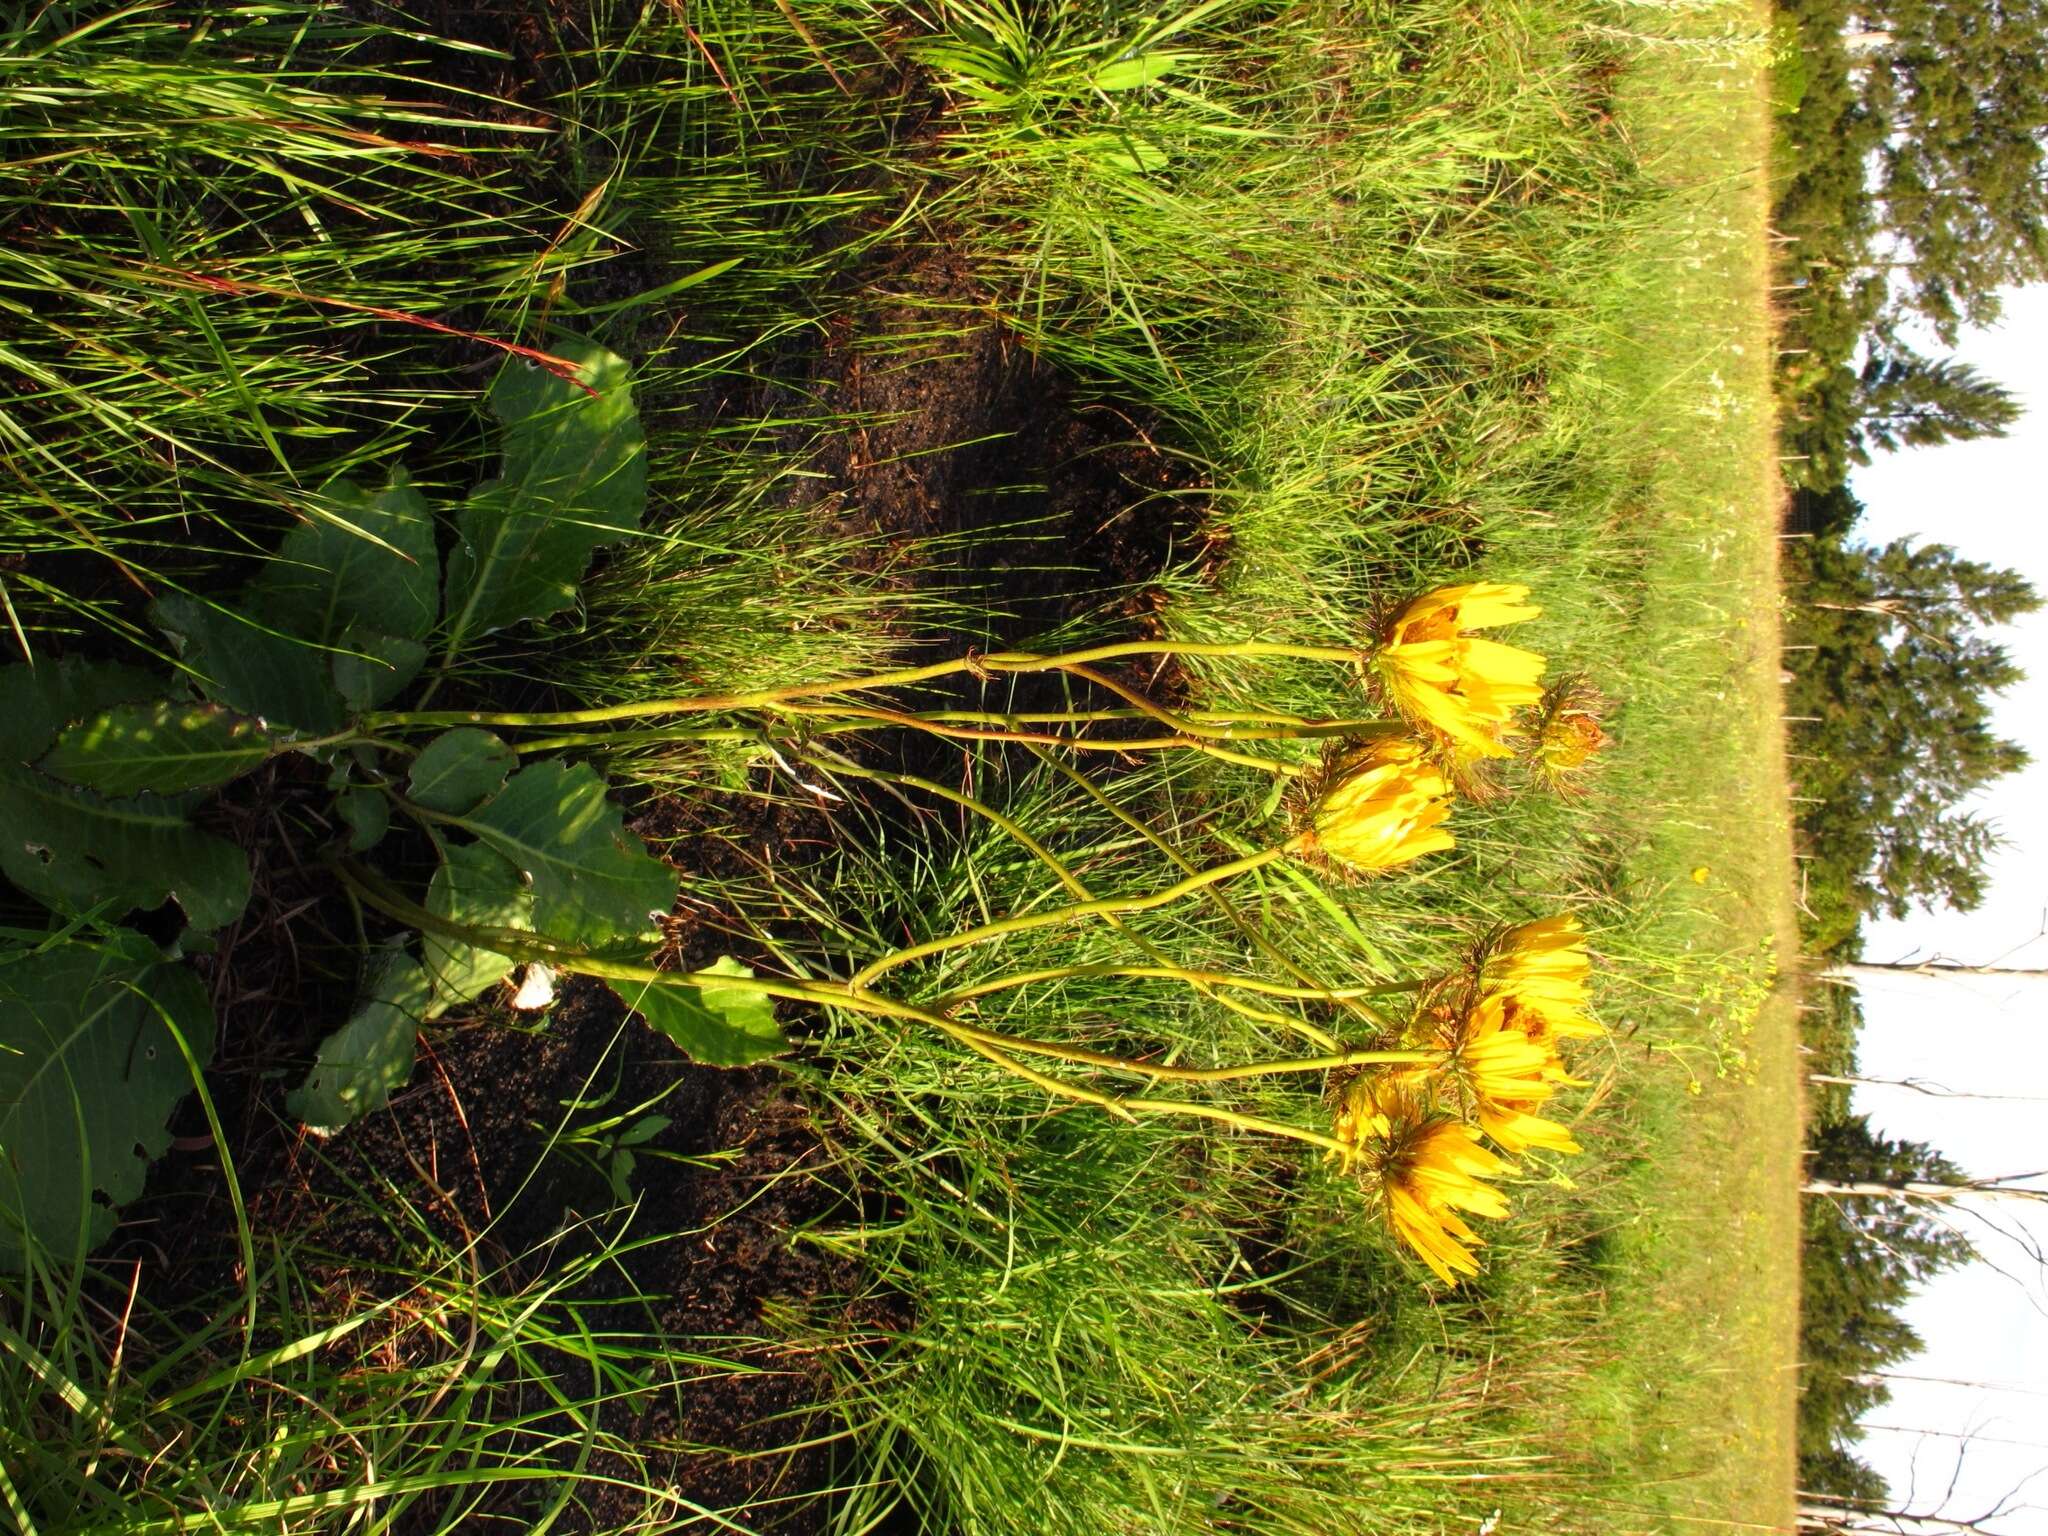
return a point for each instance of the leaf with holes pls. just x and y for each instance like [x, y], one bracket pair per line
[459, 770]
[574, 477]
[593, 882]
[479, 889]
[720, 1026]
[77, 851]
[162, 747]
[361, 1062]
[90, 1070]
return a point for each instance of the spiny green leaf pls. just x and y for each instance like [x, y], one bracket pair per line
[593, 882]
[479, 889]
[73, 850]
[162, 747]
[38, 702]
[90, 1070]
[718, 1026]
[361, 1062]
[574, 477]
[459, 770]
[258, 670]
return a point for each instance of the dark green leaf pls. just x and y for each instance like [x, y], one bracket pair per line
[477, 888]
[90, 1070]
[259, 670]
[593, 883]
[371, 566]
[38, 702]
[459, 770]
[367, 813]
[370, 667]
[574, 477]
[160, 748]
[718, 1026]
[73, 850]
[361, 1062]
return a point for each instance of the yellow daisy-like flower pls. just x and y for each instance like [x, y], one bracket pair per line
[1439, 675]
[1542, 970]
[1501, 1071]
[1381, 806]
[1424, 1166]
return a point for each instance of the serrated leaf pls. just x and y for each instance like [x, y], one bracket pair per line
[361, 1062]
[259, 670]
[459, 770]
[90, 1071]
[371, 668]
[479, 889]
[366, 813]
[718, 1026]
[76, 851]
[334, 621]
[161, 747]
[574, 477]
[593, 883]
[371, 566]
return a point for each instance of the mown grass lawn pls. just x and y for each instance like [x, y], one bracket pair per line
[956, 331]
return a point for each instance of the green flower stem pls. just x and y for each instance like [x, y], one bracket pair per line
[1252, 934]
[995, 662]
[1178, 973]
[1236, 1120]
[1253, 718]
[1024, 922]
[516, 944]
[1080, 1056]
[1024, 736]
[1052, 861]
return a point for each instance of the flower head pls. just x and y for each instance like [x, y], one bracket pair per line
[1382, 804]
[1424, 1166]
[1497, 1068]
[1567, 735]
[1439, 675]
[1540, 970]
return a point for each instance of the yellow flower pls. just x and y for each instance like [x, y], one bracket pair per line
[1542, 969]
[1424, 1166]
[1382, 805]
[1500, 1070]
[1440, 676]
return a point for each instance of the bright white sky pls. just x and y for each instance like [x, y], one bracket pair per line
[1981, 1035]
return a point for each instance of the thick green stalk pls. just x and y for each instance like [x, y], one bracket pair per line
[995, 662]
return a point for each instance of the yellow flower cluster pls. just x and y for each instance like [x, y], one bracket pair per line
[1413, 1134]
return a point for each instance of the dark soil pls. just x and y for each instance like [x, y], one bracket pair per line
[1045, 506]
